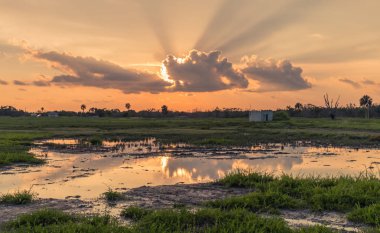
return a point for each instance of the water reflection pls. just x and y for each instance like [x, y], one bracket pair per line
[211, 169]
[89, 174]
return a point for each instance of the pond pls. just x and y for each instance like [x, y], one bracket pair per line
[77, 169]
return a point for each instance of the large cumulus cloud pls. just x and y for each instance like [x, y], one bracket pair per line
[195, 72]
[274, 75]
[201, 71]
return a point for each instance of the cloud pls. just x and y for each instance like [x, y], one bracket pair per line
[200, 71]
[20, 83]
[350, 82]
[88, 71]
[7, 48]
[41, 83]
[274, 75]
[369, 82]
[195, 72]
[2, 82]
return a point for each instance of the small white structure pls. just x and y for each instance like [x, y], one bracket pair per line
[266, 115]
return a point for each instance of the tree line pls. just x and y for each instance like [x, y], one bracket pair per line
[332, 109]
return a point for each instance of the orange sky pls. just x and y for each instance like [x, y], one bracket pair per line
[60, 54]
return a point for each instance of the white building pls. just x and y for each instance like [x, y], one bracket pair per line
[266, 115]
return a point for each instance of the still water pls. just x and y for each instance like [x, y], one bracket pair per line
[73, 170]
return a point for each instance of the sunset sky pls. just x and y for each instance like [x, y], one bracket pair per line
[187, 54]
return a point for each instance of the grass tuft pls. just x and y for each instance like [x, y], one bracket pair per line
[112, 196]
[18, 198]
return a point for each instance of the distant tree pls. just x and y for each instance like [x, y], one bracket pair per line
[298, 107]
[331, 105]
[164, 110]
[128, 106]
[92, 110]
[83, 107]
[11, 111]
[366, 101]
[42, 110]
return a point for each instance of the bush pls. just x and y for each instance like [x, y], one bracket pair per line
[281, 116]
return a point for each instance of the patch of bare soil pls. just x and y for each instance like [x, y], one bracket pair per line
[334, 220]
[166, 196]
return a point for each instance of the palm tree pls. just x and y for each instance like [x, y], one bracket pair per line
[83, 107]
[164, 110]
[366, 101]
[128, 106]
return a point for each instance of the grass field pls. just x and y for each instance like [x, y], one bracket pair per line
[18, 133]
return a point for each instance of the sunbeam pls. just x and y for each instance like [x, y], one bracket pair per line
[155, 18]
[266, 27]
[221, 27]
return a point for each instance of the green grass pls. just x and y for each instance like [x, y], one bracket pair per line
[369, 215]
[268, 201]
[17, 198]
[14, 147]
[112, 196]
[7, 158]
[17, 134]
[319, 194]
[159, 221]
[134, 213]
[55, 221]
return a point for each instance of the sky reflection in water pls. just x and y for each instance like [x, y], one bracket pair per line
[90, 174]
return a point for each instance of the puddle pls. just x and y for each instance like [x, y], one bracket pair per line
[77, 170]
